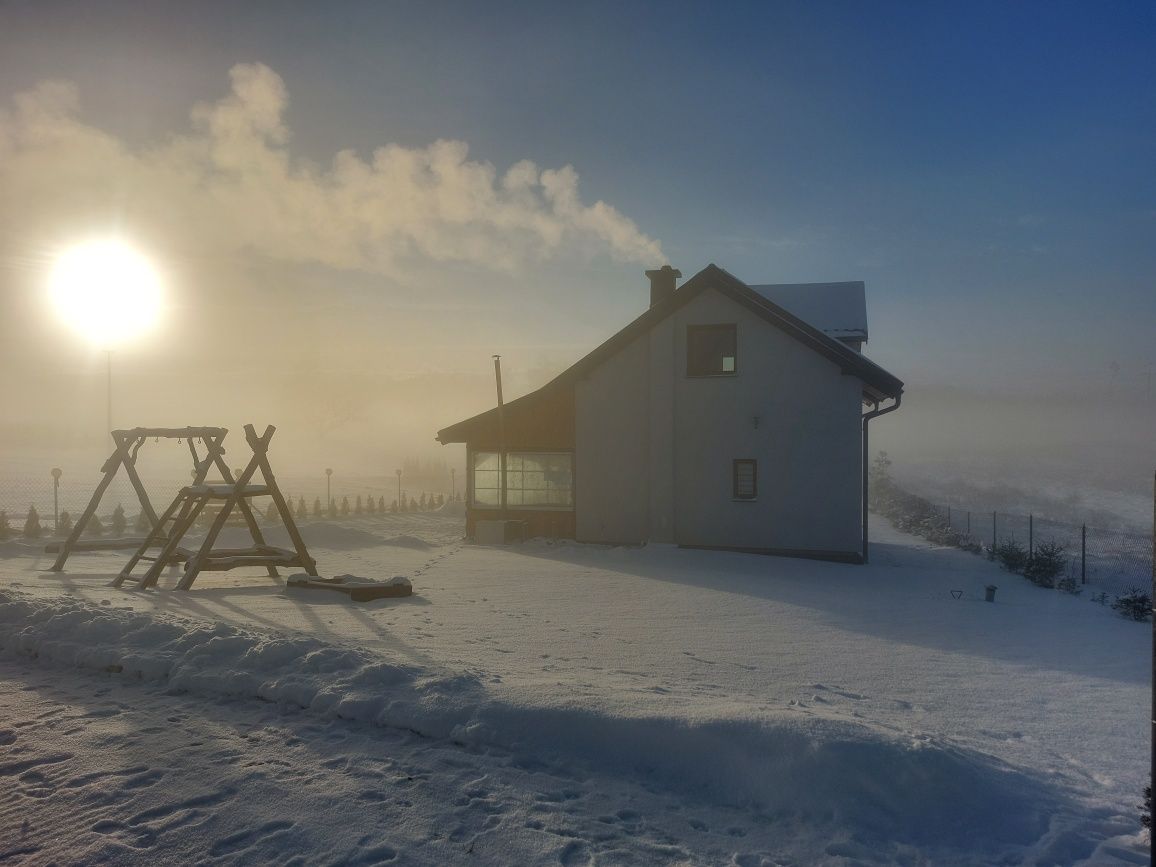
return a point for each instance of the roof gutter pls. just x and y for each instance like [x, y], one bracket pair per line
[867, 417]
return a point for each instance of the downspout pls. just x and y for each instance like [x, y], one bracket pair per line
[867, 416]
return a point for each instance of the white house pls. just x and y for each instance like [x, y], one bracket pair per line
[725, 416]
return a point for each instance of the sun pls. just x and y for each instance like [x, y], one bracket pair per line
[106, 291]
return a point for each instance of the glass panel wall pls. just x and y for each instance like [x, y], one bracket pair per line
[534, 480]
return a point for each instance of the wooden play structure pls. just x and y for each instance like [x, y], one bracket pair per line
[124, 457]
[169, 530]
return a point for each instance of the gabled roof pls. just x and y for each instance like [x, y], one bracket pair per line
[878, 384]
[837, 309]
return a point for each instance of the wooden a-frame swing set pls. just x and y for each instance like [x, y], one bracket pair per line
[168, 530]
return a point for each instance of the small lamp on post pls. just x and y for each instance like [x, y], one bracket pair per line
[56, 474]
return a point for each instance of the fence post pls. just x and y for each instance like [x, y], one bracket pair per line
[1083, 553]
[1031, 531]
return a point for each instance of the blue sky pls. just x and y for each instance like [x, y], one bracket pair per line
[986, 168]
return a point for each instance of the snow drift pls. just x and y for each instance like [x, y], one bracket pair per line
[886, 786]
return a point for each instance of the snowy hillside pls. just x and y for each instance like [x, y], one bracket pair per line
[565, 703]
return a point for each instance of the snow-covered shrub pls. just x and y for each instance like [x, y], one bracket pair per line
[1068, 584]
[1146, 808]
[1046, 562]
[1135, 605]
[118, 522]
[32, 528]
[1012, 555]
[63, 524]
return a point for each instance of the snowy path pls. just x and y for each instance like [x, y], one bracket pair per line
[826, 713]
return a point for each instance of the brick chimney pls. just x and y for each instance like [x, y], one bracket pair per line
[662, 283]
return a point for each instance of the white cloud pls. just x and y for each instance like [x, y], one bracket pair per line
[231, 186]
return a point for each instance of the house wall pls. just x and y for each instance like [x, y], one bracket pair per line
[654, 448]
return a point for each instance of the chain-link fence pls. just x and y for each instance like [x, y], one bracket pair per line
[1107, 561]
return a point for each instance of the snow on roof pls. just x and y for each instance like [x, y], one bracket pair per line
[837, 309]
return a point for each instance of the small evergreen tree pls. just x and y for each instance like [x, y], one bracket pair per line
[142, 525]
[332, 510]
[32, 528]
[344, 506]
[1135, 605]
[393, 506]
[441, 500]
[316, 507]
[412, 505]
[271, 513]
[118, 523]
[63, 525]
[94, 526]
[381, 504]
[1045, 564]
[1146, 808]
[1012, 555]
[357, 507]
[370, 505]
[5, 530]
[421, 502]
[301, 511]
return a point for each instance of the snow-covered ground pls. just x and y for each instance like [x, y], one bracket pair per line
[568, 703]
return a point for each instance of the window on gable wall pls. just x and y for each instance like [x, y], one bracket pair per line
[711, 350]
[746, 479]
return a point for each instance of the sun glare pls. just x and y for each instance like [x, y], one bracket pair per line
[106, 291]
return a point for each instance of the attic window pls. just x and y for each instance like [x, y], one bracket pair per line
[711, 350]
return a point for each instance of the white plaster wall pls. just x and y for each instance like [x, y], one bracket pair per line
[807, 442]
[611, 450]
[654, 447]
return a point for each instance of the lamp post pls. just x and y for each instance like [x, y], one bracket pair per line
[56, 474]
[399, 502]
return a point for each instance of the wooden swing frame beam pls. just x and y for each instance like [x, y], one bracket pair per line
[128, 444]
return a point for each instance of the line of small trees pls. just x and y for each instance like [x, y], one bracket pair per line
[364, 506]
[34, 529]
[1044, 565]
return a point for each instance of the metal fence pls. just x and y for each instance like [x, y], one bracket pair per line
[52, 497]
[1105, 561]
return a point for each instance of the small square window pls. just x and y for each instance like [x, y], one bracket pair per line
[711, 350]
[746, 479]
